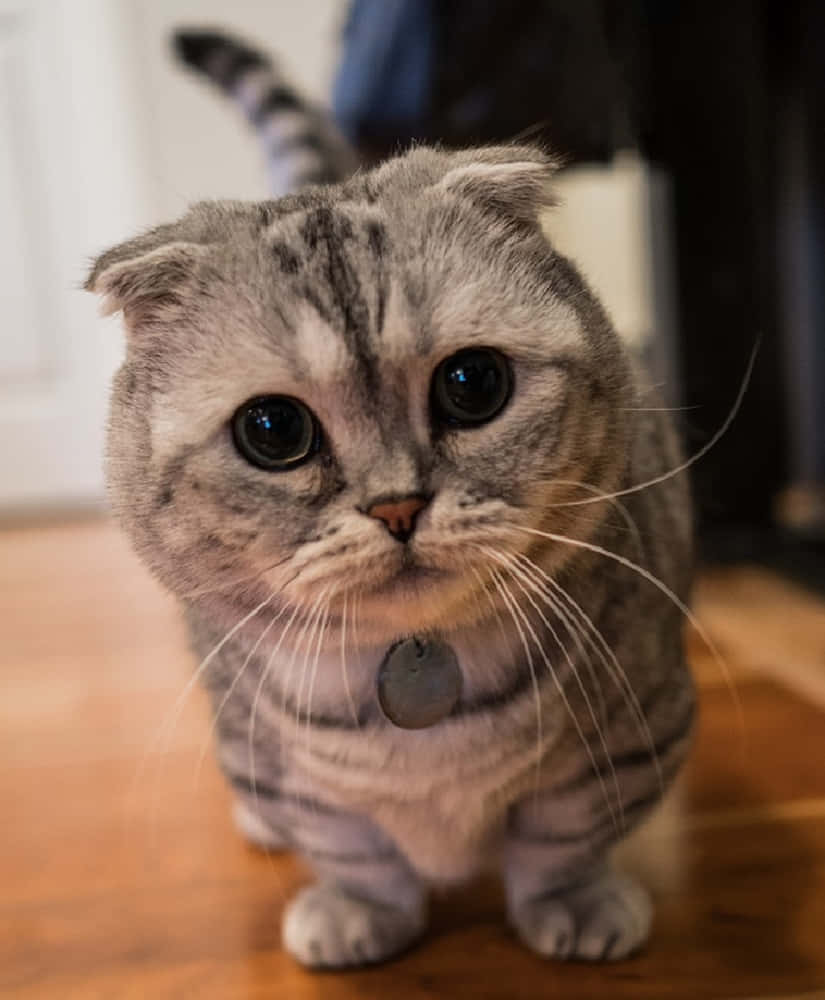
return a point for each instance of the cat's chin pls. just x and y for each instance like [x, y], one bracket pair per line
[413, 580]
[416, 599]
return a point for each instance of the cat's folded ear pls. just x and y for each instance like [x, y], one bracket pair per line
[510, 180]
[147, 277]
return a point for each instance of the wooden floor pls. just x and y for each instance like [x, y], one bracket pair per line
[122, 876]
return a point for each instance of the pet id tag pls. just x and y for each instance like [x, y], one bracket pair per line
[419, 682]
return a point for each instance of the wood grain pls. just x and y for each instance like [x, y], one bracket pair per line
[123, 878]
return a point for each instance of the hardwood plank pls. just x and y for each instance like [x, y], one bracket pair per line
[773, 625]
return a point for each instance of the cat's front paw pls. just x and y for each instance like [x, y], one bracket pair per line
[602, 920]
[324, 927]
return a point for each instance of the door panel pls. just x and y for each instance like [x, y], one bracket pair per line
[64, 107]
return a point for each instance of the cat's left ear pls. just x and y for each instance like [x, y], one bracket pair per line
[147, 277]
[509, 180]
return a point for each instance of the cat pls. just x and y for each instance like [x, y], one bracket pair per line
[384, 410]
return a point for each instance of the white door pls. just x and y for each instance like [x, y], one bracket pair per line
[70, 183]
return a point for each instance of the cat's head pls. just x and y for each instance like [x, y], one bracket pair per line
[361, 392]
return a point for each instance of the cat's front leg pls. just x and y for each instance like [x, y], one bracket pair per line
[367, 904]
[563, 898]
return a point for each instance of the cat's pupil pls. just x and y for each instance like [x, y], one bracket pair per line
[471, 387]
[275, 432]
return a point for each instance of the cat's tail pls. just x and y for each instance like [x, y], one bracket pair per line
[301, 142]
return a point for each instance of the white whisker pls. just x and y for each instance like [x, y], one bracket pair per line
[660, 586]
[510, 603]
[569, 622]
[689, 461]
[166, 730]
[254, 710]
[229, 691]
[305, 639]
[321, 630]
[657, 409]
[574, 628]
[234, 581]
[318, 645]
[599, 731]
[609, 660]
[610, 498]
[344, 673]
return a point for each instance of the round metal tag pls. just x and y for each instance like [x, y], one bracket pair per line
[419, 683]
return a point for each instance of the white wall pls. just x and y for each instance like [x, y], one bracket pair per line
[614, 221]
[70, 183]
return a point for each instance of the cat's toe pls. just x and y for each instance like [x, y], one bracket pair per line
[603, 920]
[547, 926]
[326, 928]
[616, 920]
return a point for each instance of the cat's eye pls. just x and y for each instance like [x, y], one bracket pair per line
[275, 432]
[470, 387]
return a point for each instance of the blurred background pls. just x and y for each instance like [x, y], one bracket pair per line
[694, 141]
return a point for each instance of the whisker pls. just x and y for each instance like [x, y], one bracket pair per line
[254, 710]
[320, 630]
[496, 612]
[230, 690]
[570, 623]
[510, 602]
[686, 464]
[571, 714]
[219, 646]
[587, 701]
[610, 498]
[318, 645]
[664, 589]
[356, 609]
[344, 673]
[305, 639]
[166, 730]
[658, 409]
[609, 660]
[525, 133]
[308, 634]
[234, 582]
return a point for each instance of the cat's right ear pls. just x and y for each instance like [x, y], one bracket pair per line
[514, 181]
[148, 278]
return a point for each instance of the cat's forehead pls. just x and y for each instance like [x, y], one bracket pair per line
[368, 286]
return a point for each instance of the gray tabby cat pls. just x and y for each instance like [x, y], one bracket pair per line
[388, 408]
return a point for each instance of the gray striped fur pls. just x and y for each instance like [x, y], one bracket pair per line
[301, 142]
[347, 297]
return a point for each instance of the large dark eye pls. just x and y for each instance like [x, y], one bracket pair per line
[275, 432]
[470, 387]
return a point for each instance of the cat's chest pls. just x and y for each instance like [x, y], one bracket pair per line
[441, 795]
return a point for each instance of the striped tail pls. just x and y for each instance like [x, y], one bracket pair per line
[301, 142]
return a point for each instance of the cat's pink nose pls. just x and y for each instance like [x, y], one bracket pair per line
[398, 515]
